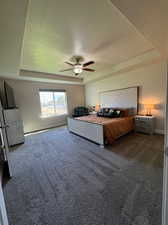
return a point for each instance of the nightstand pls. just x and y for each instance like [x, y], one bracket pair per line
[145, 124]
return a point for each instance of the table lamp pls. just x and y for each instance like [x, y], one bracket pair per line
[149, 108]
[97, 107]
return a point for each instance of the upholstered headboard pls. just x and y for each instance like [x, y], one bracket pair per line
[126, 98]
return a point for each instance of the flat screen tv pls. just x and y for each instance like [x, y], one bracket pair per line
[10, 98]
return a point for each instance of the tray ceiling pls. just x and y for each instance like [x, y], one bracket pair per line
[96, 30]
[118, 35]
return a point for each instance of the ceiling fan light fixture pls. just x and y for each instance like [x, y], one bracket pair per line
[78, 69]
[77, 66]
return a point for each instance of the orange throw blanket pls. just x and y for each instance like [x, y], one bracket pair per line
[113, 127]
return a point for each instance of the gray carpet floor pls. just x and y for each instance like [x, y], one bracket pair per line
[62, 179]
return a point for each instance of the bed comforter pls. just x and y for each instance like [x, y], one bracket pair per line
[113, 127]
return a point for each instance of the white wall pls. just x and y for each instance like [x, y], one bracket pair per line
[12, 26]
[28, 101]
[151, 80]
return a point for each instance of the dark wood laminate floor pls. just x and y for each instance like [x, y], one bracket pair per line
[147, 149]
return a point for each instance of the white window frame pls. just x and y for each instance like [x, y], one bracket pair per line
[53, 115]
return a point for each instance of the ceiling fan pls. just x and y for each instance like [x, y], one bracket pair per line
[78, 67]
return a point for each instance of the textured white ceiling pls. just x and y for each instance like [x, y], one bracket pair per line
[56, 30]
[150, 17]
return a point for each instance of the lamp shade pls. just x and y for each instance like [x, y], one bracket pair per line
[149, 108]
[97, 107]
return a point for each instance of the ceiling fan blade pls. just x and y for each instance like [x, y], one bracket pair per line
[88, 63]
[87, 69]
[69, 63]
[66, 70]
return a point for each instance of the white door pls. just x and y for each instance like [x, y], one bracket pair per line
[5, 158]
[165, 170]
[3, 142]
[15, 133]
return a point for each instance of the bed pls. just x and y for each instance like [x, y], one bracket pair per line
[102, 130]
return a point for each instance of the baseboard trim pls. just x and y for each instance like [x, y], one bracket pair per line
[47, 128]
[158, 131]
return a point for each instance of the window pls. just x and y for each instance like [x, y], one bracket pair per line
[53, 103]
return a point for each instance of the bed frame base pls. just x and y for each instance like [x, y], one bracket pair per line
[91, 131]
